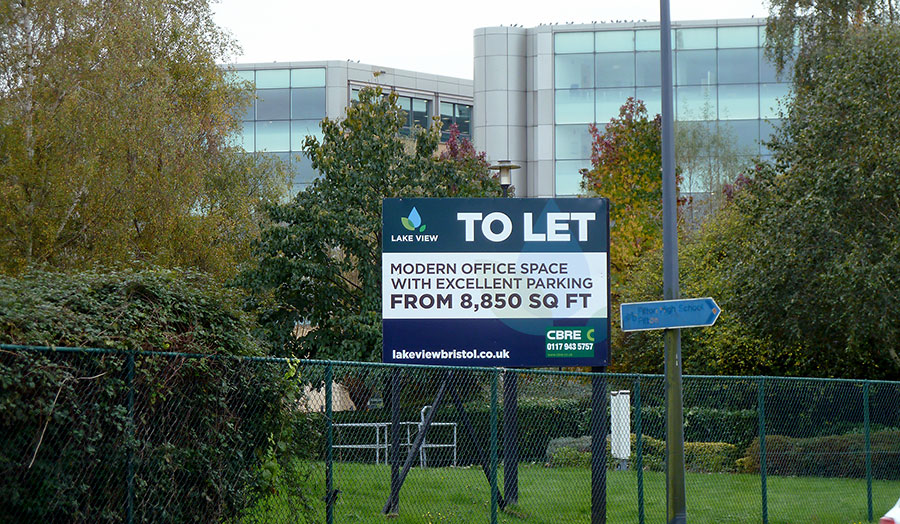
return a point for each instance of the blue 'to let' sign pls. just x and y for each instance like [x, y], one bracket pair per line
[669, 314]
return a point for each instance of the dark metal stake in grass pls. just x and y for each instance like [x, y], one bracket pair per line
[393, 502]
[394, 498]
[470, 431]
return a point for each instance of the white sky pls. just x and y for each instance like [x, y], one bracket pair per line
[427, 36]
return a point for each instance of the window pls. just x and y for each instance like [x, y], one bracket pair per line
[615, 69]
[746, 36]
[738, 102]
[417, 112]
[647, 40]
[695, 103]
[574, 43]
[273, 135]
[574, 71]
[568, 176]
[459, 114]
[308, 77]
[770, 96]
[609, 102]
[695, 67]
[615, 41]
[273, 78]
[652, 98]
[308, 103]
[273, 104]
[573, 142]
[699, 38]
[647, 69]
[300, 129]
[738, 66]
[574, 106]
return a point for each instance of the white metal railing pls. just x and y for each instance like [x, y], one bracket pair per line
[382, 443]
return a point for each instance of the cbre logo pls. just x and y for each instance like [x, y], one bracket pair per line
[413, 221]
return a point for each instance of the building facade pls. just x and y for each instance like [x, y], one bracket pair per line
[536, 90]
[293, 97]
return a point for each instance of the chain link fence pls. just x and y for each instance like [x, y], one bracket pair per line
[90, 435]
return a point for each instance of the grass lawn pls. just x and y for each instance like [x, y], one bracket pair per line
[562, 495]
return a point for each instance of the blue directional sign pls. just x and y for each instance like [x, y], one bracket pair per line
[669, 314]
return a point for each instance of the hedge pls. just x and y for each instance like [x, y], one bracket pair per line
[209, 436]
[830, 456]
[738, 427]
[699, 457]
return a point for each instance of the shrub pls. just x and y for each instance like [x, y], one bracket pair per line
[206, 434]
[700, 457]
[566, 457]
[830, 456]
[737, 427]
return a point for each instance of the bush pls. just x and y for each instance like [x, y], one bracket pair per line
[700, 457]
[737, 427]
[206, 435]
[566, 457]
[830, 456]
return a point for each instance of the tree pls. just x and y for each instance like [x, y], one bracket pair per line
[626, 161]
[822, 264]
[805, 257]
[115, 123]
[319, 264]
[816, 26]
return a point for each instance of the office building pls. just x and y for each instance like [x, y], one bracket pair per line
[537, 89]
[293, 97]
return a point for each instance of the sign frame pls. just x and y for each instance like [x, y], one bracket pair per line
[567, 235]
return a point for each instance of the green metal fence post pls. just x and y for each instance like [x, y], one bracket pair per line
[329, 441]
[868, 449]
[639, 448]
[762, 448]
[494, 447]
[599, 434]
[131, 437]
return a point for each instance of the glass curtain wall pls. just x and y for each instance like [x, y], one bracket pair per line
[721, 77]
[289, 105]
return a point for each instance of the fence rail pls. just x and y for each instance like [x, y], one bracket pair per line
[96, 435]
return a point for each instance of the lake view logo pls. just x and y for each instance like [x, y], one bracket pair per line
[413, 221]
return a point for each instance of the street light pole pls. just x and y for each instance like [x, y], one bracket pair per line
[676, 507]
[510, 389]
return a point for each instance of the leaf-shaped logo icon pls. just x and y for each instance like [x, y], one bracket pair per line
[413, 221]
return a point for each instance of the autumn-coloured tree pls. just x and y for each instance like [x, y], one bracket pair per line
[116, 124]
[627, 161]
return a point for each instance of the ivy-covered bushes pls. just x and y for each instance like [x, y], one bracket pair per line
[178, 439]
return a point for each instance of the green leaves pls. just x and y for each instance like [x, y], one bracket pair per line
[319, 266]
[115, 139]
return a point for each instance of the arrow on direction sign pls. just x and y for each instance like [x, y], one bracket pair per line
[669, 314]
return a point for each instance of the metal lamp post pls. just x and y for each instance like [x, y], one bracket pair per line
[505, 167]
[510, 388]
